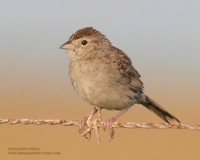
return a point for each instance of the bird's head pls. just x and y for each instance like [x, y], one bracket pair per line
[86, 42]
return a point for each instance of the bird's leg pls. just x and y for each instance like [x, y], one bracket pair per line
[87, 122]
[99, 114]
[108, 124]
[83, 122]
[96, 124]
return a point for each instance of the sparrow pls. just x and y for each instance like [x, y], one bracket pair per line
[103, 75]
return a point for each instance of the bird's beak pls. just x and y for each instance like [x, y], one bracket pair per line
[66, 46]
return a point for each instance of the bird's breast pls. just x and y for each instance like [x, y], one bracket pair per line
[95, 84]
[88, 77]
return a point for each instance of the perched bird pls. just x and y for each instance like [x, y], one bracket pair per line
[104, 76]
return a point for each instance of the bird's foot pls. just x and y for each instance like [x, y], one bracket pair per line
[108, 124]
[88, 123]
[83, 124]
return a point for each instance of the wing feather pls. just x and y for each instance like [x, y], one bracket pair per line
[122, 64]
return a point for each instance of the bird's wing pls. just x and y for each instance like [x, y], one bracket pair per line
[123, 65]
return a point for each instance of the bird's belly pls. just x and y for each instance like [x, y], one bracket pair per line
[101, 91]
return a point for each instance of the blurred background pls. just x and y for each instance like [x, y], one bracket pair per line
[161, 37]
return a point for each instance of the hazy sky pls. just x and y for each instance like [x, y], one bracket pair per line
[161, 37]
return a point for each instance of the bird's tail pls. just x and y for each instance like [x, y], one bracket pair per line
[157, 109]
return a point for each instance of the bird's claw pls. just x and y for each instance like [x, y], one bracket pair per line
[87, 133]
[88, 123]
[93, 124]
[83, 124]
[84, 128]
[108, 124]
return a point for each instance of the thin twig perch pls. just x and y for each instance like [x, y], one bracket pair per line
[130, 125]
[95, 126]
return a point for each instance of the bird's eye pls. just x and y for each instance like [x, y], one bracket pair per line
[84, 42]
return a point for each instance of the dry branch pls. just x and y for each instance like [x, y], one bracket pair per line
[130, 125]
[96, 125]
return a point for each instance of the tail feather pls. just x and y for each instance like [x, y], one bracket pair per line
[157, 109]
